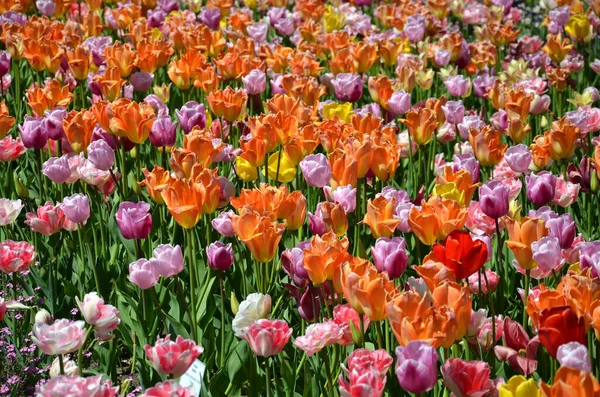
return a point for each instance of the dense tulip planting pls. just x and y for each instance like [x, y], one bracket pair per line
[299, 198]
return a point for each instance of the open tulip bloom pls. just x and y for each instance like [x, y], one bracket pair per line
[309, 197]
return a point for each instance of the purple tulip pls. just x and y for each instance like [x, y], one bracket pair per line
[454, 111]
[211, 17]
[589, 256]
[141, 81]
[285, 26]
[416, 367]
[46, 7]
[560, 15]
[101, 155]
[467, 123]
[4, 63]
[156, 18]
[57, 169]
[399, 102]
[499, 120]
[307, 301]
[168, 260]
[53, 123]
[540, 187]
[276, 14]
[467, 162]
[134, 220]
[547, 253]
[255, 82]
[168, 5]
[414, 28]
[458, 85]
[157, 104]
[518, 158]
[493, 199]
[222, 224]
[292, 263]
[258, 32]
[192, 114]
[563, 228]
[275, 83]
[96, 46]
[482, 84]
[574, 355]
[220, 256]
[33, 133]
[441, 58]
[348, 87]
[76, 208]
[345, 196]
[163, 132]
[316, 170]
[389, 255]
[143, 274]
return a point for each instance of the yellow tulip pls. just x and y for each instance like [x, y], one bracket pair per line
[333, 20]
[343, 111]
[578, 26]
[518, 386]
[287, 169]
[246, 171]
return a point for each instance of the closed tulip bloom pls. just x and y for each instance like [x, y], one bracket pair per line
[47, 220]
[163, 132]
[53, 123]
[4, 63]
[399, 102]
[173, 358]
[564, 229]
[260, 234]
[190, 115]
[540, 187]
[267, 337]
[380, 217]
[316, 170]
[143, 274]
[220, 256]
[33, 133]
[255, 82]
[436, 219]
[547, 254]
[390, 255]
[521, 236]
[105, 318]
[454, 111]
[348, 87]
[493, 199]
[458, 86]
[254, 307]
[222, 224]
[141, 81]
[574, 355]
[70, 368]
[589, 255]
[519, 386]
[76, 208]
[60, 337]
[461, 253]
[134, 220]
[467, 378]
[101, 154]
[345, 196]
[68, 385]
[169, 388]
[518, 158]
[9, 211]
[318, 336]
[560, 325]
[416, 367]
[16, 256]
[168, 260]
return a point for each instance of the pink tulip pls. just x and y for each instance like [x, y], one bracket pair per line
[267, 337]
[60, 337]
[11, 148]
[222, 224]
[48, 220]
[343, 315]
[57, 169]
[574, 355]
[519, 350]
[490, 286]
[416, 367]
[467, 378]
[76, 208]
[173, 357]
[134, 220]
[2, 308]
[77, 386]
[366, 372]
[168, 260]
[143, 274]
[104, 318]
[318, 336]
[170, 388]
[16, 256]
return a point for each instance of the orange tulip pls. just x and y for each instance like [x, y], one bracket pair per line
[365, 289]
[521, 235]
[79, 62]
[517, 112]
[234, 65]
[582, 293]
[458, 299]
[110, 83]
[304, 64]
[121, 56]
[228, 103]
[79, 127]
[388, 51]
[413, 317]
[153, 54]
[207, 79]
[6, 121]
[570, 382]
[155, 182]
[380, 217]
[487, 145]
[344, 169]
[260, 234]
[293, 210]
[199, 142]
[437, 218]
[182, 71]
[323, 259]
[460, 181]
[182, 161]
[557, 48]
[333, 217]
[52, 95]
[562, 137]
[126, 15]
[305, 89]
[546, 299]
[43, 54]
[131, 119]
[381, 90]
[421, 125]
[207, 181]
[364, 56]
[540, 151]
[266, 199]
[434, 273]
[302, 144]
[184, 201]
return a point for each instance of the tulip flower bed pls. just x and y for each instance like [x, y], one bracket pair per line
[307, 198]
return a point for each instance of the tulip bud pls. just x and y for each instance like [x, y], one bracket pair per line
[357, 336]
[594, 182]
[235, 305]
[43, 317]
[20, 188]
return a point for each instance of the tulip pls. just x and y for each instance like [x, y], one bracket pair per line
[256, 306]
[493, 199]
[547, 254]
[141, 81]
[571, 382]
[467, 378]
[489, 283]
[222, 224]
[518, 386]
[521, 236]
[540, 187]
[560, 325]
[390, 255]
[70, 367]
[9, 211]
[168, 260]
[258, 32]
[170, 387]
[458, 86]
[33, 133]
[255, 82]
[16, 256]
[163, 132]
[589, 256]
[191, 114]
[574, 355]
[380, 217]
[220, 256]
[173, 358]
[76, 208]
[61, 337]
[105, 318]
[134, 220]
[4, 63]
[48, 219]
[101, 154]
[260, 234]
[316, 170]
[518, 158]
[348, 87]
[461, 253]
[399, 102]
[416, 367]
[229, 104]
[366, 372]
[454, 111]
[344, 315]
[305, 301]
[143, 274]
[53, 123]
[292, 263]
[345, 196]
[318, 336]
[184, 201]
[267, 337]
[67, 385]
[328, 217]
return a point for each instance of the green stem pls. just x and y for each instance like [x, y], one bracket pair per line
[222, 320]
[527, 280]
[38, 159]
[194, 307]
[267, 377]
[61, 364]
[328, 372]
[278, 165]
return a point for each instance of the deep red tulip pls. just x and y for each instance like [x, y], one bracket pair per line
[461, 253]
[560, 325]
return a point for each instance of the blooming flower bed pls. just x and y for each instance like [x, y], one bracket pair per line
[308, 198]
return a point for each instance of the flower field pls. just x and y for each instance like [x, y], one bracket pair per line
[308, 198]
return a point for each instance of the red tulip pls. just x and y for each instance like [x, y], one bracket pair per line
[461, 253]
[467, 378]
[560, 325]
